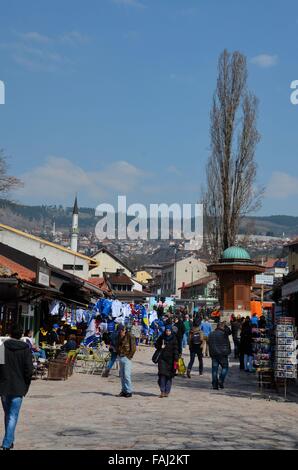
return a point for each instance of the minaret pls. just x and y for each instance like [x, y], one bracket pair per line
[75, 227]
[54, 228]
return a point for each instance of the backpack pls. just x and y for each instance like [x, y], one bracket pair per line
[196, 338]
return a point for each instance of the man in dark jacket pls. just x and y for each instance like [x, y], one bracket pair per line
[236, 330]
[126, 347]
[196, 338]
[219, 349]
[15, 379]
[179, 330]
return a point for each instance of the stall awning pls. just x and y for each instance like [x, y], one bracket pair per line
[290, 288]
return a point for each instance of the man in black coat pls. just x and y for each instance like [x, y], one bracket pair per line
[219, 349]
[179, 330]
[15, 379]
[236, 330]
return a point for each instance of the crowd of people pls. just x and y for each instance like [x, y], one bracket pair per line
[172, 333]
[242, 334]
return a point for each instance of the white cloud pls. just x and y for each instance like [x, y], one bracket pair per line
[130, 3]
[36, 51]
[282, 186]
[265, 60]
[34, 36]
[57, 179]
[69, 37]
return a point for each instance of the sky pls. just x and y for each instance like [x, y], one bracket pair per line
[113, 97]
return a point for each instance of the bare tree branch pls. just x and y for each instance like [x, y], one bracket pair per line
[231, 168]
[7, 182]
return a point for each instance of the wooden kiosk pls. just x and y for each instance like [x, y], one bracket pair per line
[235, 271]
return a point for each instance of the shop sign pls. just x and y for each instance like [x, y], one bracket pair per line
[43, 273]
[264, 279]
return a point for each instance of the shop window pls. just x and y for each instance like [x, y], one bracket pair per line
[71, 267]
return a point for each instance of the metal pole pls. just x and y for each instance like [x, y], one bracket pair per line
[175, 251]
[262, 290]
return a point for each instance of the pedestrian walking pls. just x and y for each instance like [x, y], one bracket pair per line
[167, 344]
[206, 329]
[179, 330]
[16, 370]
[236, 332]
[187, 327]
[254, 320]
[196, 339]
[220, 349]
[126, 349]
[246, 344]
[262, 322]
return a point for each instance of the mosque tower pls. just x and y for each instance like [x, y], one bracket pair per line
[75, 227]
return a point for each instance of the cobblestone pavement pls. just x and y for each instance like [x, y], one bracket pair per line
[83, 413]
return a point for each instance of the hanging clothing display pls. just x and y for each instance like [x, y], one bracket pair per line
[116, 308]
[54, 307]
[152, 316]
[126, 309]
[79, 315]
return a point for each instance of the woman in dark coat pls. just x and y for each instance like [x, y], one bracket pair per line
[167, 363]
[246, 344]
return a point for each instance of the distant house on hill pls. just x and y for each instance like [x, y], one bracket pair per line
[106, 262]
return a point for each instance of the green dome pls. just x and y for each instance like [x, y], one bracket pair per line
[236, 252]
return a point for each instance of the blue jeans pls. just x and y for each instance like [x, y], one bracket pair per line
[185, 339]
[39, 354]
[193, 355]
[125, 374]
[11, 406]
[112, 360]
[165, 384]
[224, 363]
[248, 360]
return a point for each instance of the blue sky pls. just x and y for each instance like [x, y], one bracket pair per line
[109, 97]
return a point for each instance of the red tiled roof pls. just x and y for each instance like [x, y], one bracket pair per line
[199, 282]
[99, 282]
[270, 262]
[119, 279]
[17, 270]
[130, 294]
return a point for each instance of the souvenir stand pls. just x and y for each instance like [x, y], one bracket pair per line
[263, 348]
[285, 352]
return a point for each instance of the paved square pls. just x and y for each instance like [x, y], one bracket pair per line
[83, 413]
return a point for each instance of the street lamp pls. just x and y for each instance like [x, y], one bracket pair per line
[192, 271]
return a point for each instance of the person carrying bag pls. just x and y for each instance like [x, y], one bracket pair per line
[166, 355]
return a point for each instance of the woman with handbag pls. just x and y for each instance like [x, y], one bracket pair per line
[166, 356]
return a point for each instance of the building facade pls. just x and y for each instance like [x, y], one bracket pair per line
[185, 271]
[107, 262]
[63, 258]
